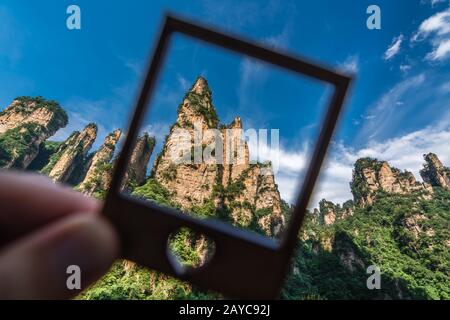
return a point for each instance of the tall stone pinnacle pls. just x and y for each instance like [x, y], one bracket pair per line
[24, 126]
[71, 153]
[200, 86]
[97, 176]
[435, 173]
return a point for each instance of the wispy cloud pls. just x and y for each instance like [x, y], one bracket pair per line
[158, 130]
[254, 74]
[350, 64]
[394, 48]
[404, 152]
[436, 29]
[434, 3]
[183, 82]
[288, 164]
[280, 40]
[81, 112]
[405, 68]
[385, 115]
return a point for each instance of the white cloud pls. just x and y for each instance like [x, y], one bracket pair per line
[385, 114]
[382, 136]
[433, 3]
[438, 23]
[437, 29]
[445, 88]
[404, 153]
[78, 120]
[441, 51]
[281, 40]
[405, 68]
[394, 48]
[158, 130]
[351, 64]
[288, 165]
[183, 82]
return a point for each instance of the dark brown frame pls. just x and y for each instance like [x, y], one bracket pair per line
[244, 265]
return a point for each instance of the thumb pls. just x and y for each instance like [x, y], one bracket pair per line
[37, 266]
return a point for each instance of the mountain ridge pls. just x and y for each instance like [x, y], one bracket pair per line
[393, 221]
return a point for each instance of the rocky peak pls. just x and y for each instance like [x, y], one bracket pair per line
[248, 191]
[371, 176]
[435, 173]
[329, 212]
[236, 155]
[98, 176]
[197, 107]
[201, 87]
[137, 166]
[24, 126]
[71, 154]
[236, 123]
[37, 110]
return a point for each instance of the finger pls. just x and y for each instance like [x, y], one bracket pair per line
[36, 267]
[29, 201]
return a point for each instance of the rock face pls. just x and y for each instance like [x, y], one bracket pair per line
[435, 173]
[201, 165]
[329, 212]
[71, 154]
[371, 176]
[97, 178]
[180, 167]
[137, 167]
[24, 125]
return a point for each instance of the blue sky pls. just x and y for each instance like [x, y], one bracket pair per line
[399, 106]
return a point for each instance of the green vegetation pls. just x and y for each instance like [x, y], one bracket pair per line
[152, 190]
[406, 236]
[17, 143]
[27, 105]
[413, 266]
[139, 283]
[46, 150]
[202, 105]
[54, 158]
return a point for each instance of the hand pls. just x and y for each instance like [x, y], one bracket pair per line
[44, 228]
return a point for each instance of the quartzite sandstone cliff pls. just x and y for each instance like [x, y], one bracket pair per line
[247, 190]
[24, 126]
[98, 176]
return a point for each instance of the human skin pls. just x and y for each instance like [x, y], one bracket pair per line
[44, 229]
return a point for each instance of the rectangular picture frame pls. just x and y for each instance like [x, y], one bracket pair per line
[244, 265]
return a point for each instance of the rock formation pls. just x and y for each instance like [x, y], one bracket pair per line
[435, 173]
[188, 177]
[137, 166]
[71, 154]
[329, 212]
[24, 125]
[201, 164]
[371, 176]
[98, 175]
